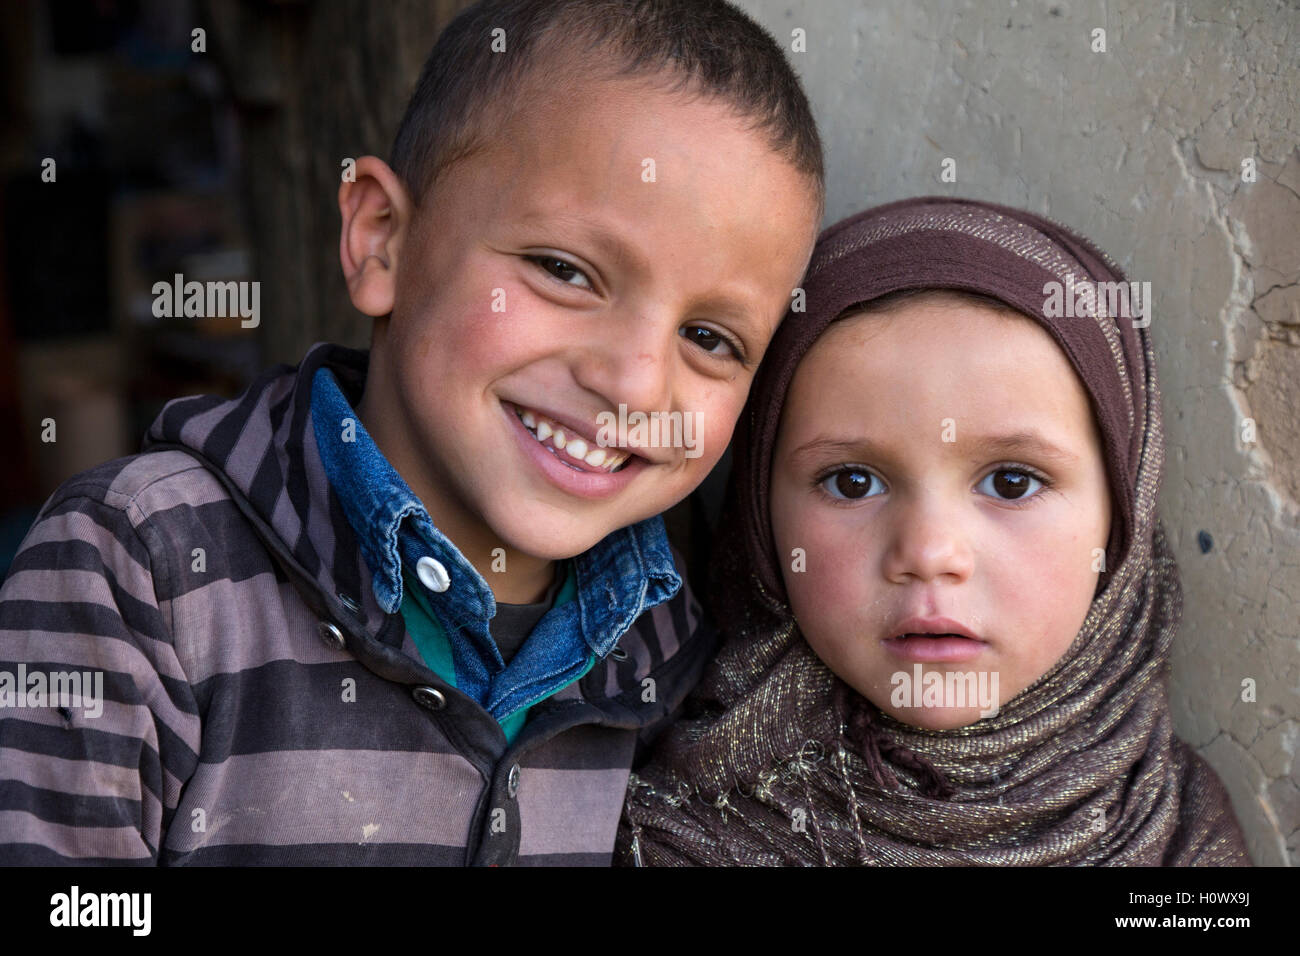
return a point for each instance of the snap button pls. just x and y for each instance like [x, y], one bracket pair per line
[432, 574]
[429, 697]
[618, 653]
[331, 635]
[349, 602]
[512, 781]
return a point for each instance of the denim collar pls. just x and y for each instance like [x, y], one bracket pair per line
[629, 571]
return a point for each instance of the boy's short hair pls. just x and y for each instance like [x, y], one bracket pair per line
[466, 89]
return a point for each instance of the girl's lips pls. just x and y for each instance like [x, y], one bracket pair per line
[580, 483]
[936, 648]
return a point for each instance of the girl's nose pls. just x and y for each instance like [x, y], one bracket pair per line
[927, 543]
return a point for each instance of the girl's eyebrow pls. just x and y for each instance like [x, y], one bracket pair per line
[1026, 442]
[836, 447]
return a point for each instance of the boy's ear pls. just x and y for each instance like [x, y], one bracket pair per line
[376, 210]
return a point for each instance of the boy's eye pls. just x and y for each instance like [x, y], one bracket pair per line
[563, 270]
[708, 339]
[1010, 483]
[849, 483]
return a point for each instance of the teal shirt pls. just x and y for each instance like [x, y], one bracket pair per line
[431, 641]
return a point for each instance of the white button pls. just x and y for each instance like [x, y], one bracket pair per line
[432, 574]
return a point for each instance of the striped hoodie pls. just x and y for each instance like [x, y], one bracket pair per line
[248, 714]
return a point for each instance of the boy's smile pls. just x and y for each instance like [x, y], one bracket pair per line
[614, 244]
[569, 454]
[940, 467]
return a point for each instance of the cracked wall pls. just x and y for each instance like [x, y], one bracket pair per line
[1140, 147]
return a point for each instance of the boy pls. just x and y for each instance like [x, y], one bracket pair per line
[414, 605]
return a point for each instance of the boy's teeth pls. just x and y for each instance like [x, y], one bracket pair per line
[607, 459]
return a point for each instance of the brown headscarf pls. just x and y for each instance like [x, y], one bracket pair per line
[784, 763]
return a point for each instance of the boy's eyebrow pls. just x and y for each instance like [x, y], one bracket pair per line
[594, 231]
[1027, 443]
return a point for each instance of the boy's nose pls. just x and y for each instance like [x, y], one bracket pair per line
[631, 365]
[927, 543]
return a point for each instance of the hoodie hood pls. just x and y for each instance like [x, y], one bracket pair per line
[261, 447]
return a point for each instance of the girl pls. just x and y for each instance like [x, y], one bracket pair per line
[946, 599]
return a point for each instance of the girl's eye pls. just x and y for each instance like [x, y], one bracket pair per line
[848, 483]
[709, 340]
[563, 270]
[1010, 484]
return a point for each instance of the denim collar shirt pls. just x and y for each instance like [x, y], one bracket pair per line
[625, 574]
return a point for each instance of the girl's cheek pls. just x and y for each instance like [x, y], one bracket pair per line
[1033, 558]
[823, 564]
[1048, 598]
